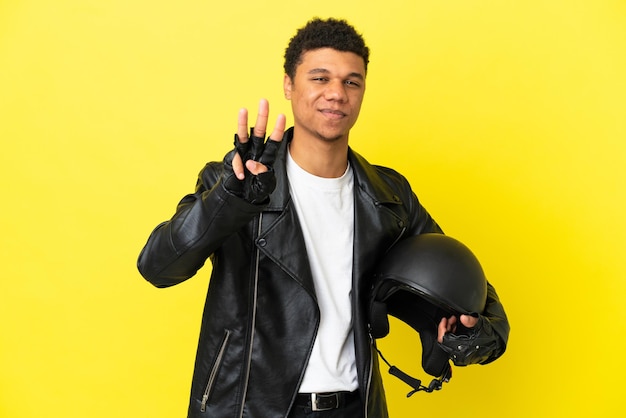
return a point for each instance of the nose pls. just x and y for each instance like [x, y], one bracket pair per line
[336, 91]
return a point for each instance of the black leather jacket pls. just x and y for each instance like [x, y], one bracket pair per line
[261, 317]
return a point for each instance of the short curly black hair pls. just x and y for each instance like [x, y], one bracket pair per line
[319, 33]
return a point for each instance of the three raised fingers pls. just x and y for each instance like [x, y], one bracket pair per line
[260, 126]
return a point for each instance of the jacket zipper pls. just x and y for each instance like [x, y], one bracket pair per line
[253, 324]
[369, 385]
[216, 367]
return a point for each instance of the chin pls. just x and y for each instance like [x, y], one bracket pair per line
[331, 137]
[332, 134]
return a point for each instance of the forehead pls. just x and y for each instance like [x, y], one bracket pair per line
[331, 60]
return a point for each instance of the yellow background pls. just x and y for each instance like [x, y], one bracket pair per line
[508, 117]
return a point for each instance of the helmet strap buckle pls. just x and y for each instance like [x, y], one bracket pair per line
[416, 384]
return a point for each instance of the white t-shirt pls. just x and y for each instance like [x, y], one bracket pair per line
[325, 208]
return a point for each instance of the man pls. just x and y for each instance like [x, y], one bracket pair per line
[294, 227]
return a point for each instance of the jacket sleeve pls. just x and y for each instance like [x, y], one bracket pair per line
[494, 313]
[178, 248]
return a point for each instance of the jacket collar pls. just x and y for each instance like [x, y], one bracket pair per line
[365, 175]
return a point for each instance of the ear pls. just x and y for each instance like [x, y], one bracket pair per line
[287, 87]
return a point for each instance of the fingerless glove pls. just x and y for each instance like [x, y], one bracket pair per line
[253, 188]
[471, 345]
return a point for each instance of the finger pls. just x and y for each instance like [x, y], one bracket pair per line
[256, 147]
[238, 166]
[255, 167]
[261, 118]
[452, 324]
[242, 125]
[442, 329]
[469, 321]
[279, 128]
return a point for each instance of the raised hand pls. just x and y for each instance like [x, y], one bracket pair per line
[252, 159]
[251, 149]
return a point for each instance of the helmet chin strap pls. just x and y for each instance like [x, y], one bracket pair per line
[416, 384]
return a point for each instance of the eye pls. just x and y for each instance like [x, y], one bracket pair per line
[352, 83]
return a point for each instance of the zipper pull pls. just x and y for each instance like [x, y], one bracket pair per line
[205, 398]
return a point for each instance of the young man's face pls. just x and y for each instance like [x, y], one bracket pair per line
[326, 93]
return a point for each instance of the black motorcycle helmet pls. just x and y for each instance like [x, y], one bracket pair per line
[422, 279]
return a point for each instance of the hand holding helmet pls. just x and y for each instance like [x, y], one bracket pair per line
[467, 344]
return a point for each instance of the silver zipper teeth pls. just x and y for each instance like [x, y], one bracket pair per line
[218, 362]
[256, 281]
[369, 381]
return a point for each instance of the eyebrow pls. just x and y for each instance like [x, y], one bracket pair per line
[325, 71]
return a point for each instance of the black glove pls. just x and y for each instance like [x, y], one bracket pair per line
[470, 345]
[254, 188]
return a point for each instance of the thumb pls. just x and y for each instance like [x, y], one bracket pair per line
[255, 167]
[469, 321]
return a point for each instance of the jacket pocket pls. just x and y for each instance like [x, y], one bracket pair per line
[215, 370]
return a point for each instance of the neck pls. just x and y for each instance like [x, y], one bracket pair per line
[322, 158]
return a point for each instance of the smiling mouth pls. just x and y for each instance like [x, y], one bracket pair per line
[333, 114]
